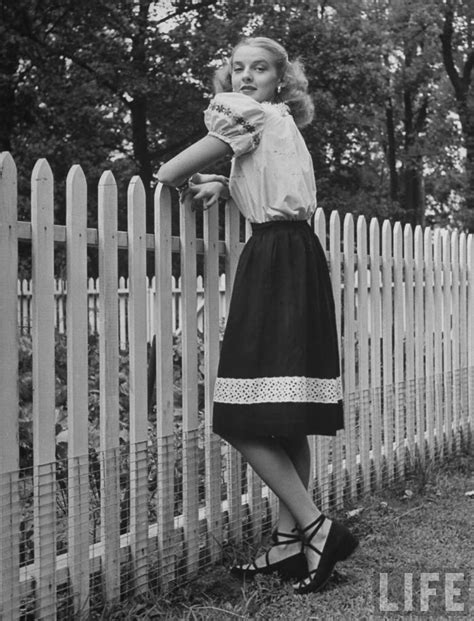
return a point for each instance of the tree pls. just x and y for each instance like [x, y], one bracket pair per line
[458, 56]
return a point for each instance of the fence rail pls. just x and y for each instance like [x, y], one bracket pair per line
[127, 497]
[25, 306]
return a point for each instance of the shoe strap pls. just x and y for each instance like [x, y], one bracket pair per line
[309, 532]
[292, 537]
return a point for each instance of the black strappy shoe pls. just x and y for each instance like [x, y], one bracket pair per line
[339, 545]
[294, 566]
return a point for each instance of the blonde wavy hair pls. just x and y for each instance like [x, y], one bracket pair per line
[294, 84]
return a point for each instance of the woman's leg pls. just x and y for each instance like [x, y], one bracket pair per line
[298, 451]
[273, 464]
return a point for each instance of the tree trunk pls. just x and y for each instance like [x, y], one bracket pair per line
[466, 113]
[139, 116]
[8, 67]
[461, 82]
[391, 151]
[139, 110]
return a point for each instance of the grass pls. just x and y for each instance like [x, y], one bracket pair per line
[424, 524]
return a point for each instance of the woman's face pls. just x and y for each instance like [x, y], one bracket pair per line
[254, 73]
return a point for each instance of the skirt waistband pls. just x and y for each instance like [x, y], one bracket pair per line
[262, 226]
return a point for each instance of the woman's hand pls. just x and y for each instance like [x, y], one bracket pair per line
[207, 188]
[208, 192]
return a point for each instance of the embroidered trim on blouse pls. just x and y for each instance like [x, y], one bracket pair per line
[281, 106]
[238, 119]
[277, 390]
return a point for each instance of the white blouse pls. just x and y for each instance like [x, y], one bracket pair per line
[272, 174]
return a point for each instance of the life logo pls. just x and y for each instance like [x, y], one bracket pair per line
[434, 593]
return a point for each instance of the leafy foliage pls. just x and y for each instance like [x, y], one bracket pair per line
[123, 85]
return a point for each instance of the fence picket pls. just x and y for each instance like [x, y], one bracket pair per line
[108, 372]
[77, 387]
[190, 387]
[429, 342]
[320, 444]
[363, 396]
[9, 462]
[138, 402]
[336, 444]
[463, 326]
[44, 440]
[234, 461]
[419, 342]
[447, 345]
[410, 393]
[455, 334]
[399, 334]
[349, 363]
[470, 329]
[438, 340]
[376, 412]
[211, 355]
[164, 386]
[387, 347]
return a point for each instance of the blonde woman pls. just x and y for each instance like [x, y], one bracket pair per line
[279, 375]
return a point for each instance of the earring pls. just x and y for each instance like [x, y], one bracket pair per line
[279, 88]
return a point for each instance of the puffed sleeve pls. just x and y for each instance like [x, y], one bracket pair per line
[237, 119]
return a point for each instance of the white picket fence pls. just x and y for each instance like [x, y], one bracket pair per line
[407, 346]
[25, 306]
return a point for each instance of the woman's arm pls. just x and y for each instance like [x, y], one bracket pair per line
[202, 153]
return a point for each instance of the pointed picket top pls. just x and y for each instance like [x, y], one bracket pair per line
[136, 189]
[8, 188]
[334, 218]
[361, 235]
[76, 199]
[462, 243]
[162, 196]
[446, 246]
[42, 201]
[374, 223]
[361, 221]
[42, 171]
[335, 232]
[418, 240]
[374, 230]
[7, 167]
[107, 179]
[76, 175]
[348, 221]
[320, 226]
[387, 235]
[418, 233]
[428, 250]
[6, 161]
[455, 244]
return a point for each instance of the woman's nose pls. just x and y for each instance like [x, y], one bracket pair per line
[246, 75]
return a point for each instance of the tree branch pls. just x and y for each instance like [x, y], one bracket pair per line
[184, 10]
[446, 43]
[468, 65]
[76, 60]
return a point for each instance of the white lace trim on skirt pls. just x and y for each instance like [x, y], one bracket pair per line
[277, 390]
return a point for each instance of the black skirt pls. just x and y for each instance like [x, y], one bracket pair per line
[279, 371]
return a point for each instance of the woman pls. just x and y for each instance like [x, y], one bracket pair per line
[278, 378]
